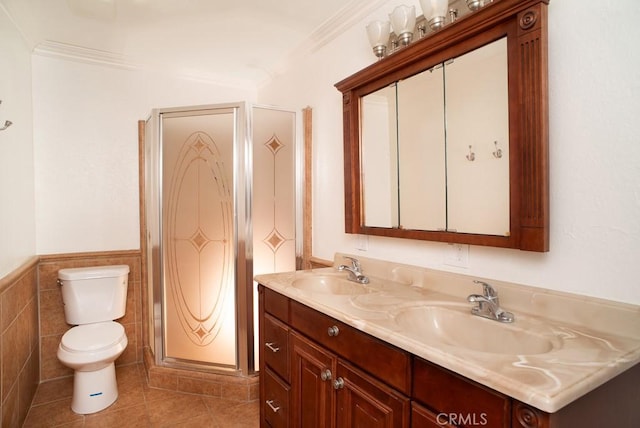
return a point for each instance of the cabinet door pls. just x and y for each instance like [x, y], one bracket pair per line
[312, 397]
[424, 418]
[465, 403]
[363, 402]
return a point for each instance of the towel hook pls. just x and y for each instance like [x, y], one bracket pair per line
[471, 156]
[7, 123]
[498, 153]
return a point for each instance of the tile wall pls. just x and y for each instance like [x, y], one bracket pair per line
[228, 387]
[19, 357]
[30, 334]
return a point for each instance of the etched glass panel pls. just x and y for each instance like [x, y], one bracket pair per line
[198, 236]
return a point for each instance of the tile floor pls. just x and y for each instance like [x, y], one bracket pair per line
[139, 406]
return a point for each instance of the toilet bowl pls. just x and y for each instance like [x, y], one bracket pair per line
[93, 298]
[91, 350]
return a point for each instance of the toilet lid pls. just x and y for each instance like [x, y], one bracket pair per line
[92, 337]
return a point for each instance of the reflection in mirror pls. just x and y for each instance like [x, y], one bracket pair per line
[416, 138]
[477, 109]
[421, 130]
[380, 158]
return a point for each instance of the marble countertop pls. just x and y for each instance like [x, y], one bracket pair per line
[586, 341]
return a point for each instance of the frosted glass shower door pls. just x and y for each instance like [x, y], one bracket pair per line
[199, 306]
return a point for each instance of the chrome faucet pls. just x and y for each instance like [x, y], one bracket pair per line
[355, 274]
[489, 304]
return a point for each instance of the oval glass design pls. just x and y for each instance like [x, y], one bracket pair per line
[199, 225]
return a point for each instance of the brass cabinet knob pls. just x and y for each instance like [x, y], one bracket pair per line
[325, 375]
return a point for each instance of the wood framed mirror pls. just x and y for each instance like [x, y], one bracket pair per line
[486, 172]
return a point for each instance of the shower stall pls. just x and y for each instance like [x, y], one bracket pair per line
[220, 207]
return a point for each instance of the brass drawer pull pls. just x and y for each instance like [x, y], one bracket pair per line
[333, 331]
[273, 407]
[271, 345]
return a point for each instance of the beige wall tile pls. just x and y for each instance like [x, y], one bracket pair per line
[19, 357]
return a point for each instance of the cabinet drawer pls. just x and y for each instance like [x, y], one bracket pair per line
[276, 401]
[445, 392]
[388, 363]
[275, 349]
[276, 304]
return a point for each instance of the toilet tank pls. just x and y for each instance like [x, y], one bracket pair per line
[94, 294]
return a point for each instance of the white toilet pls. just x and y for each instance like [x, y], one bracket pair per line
[93, 297]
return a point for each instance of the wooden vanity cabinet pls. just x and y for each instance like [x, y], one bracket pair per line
[333, 377]
[319, 372]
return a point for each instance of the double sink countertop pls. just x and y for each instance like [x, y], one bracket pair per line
[560, 346]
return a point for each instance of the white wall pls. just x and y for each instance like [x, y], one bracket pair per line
[17, 224]
[86, 148]
[594, 155]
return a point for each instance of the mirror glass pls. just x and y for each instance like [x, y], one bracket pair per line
[435, 147]
[421, 121]
[378, 127]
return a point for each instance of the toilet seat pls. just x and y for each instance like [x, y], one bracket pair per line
[92, 337]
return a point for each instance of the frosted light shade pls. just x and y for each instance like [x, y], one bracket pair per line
[432, 9]
[403, 19]
[378, 33]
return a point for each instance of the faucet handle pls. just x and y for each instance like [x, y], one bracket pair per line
[487, 290]
[355, 263]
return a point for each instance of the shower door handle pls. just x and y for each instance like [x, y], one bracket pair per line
[271, 345]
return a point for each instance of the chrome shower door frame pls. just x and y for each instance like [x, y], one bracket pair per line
[242, 263]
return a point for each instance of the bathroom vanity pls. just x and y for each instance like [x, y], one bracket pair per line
[404, 350]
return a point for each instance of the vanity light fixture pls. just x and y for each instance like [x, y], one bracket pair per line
[435, 11]
[403, 21]
[477, 4]
[378, 32]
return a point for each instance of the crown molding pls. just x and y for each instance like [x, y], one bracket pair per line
[350, 14]
[85, 55]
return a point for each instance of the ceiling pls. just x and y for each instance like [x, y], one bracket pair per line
[228, 41]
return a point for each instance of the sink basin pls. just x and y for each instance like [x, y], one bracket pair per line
[328, 284]
[455, 326]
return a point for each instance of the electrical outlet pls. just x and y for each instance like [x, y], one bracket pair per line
[457, 255]
[363, 243]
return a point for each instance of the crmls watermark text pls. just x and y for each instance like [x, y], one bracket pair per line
[468, 419]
